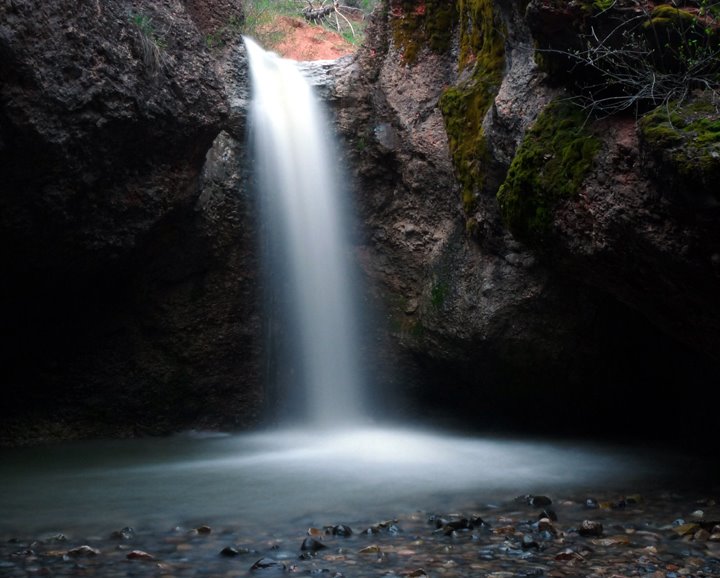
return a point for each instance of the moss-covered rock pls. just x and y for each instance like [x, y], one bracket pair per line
[684, 141]
[428, 23]
[464, 106]
[550, 165]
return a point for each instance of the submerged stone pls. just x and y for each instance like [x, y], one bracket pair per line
[269, 565]
[312, 545]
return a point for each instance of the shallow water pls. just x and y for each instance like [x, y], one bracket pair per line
[313, 477]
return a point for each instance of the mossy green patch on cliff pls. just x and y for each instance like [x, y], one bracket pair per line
[464, 106]
[418, 24]
[550, 165]
[685, 140]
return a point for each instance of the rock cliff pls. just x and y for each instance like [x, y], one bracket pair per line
[129, 300]
[611, 302]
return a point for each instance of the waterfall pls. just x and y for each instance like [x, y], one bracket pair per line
[304, 228]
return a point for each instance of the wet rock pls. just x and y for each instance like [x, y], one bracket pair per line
[590, 528]
[306, 556]
[537, 501]
[686, 529]
[341, 530]
[549, 514]
[528, 542]
[620, 540]
[591, 504]
[268, 565]
[701, 535]
[203, 529]
[232, 551]
[453, 526]
[312, 545]
[389, 526]
[139, 555]
[126, 533]
[84, 551]
[568, 554]
[545, 525]
[372, 549]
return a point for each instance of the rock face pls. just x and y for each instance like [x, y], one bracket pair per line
[129, 291]
[613, 304]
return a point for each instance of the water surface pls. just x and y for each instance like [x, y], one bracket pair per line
[313, 476]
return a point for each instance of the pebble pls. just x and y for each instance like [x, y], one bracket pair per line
[590, 528]
[139, 555]
[640, 542]
[82, 552]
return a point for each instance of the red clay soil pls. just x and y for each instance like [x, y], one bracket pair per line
[303, 41]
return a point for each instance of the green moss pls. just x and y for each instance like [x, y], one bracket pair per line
[419, 24]
[438, 293]
[464, 106]
[685, 140]
[667, 14]
[550, 165]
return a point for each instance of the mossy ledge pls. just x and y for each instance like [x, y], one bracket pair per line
[482, 47]
[684, 140]
[550, 166]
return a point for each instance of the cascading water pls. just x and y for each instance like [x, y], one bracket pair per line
[305, 225]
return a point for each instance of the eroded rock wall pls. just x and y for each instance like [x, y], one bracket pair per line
[129, 300]
[494, 327]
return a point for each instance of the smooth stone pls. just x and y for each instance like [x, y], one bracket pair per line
[139, 555]
[84, 551]
[590, 528]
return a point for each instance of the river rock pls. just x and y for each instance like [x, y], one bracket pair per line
[341, 530]
[590, 528]
[84, 551]
[312, 545]
[139, 555]
[529, 542]
[545, 525]
[126, 533]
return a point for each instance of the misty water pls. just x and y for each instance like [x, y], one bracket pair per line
[298, 477]
[335, 468]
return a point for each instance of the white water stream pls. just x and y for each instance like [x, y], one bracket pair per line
[305, 225]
